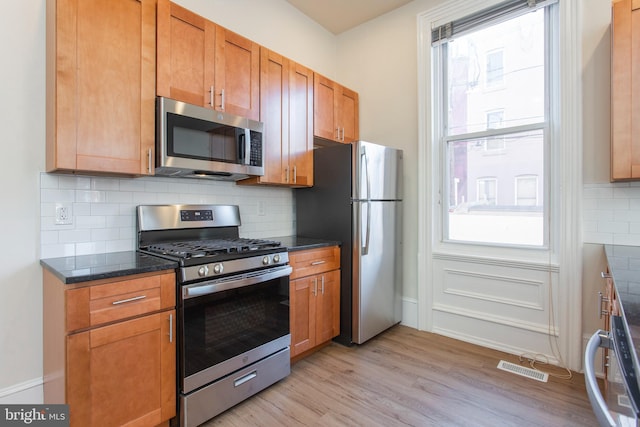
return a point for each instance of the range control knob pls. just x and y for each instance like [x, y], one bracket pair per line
[203, 271]
[265, 260]
[276, 258]
[217, 269]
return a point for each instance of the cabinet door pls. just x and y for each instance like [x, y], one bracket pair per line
[96, 305]
[328, 306]
[348, 115]
[274, 100]
[101, 90]
[237, 74]
[286, 108]
[625, 92]
[336, 111]
[302, 298]
[300, 126]
[314, 261]
[324, 107]
[186, 55]
[124, 372]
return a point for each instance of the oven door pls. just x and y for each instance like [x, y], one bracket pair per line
[229, 323]
[619, 405]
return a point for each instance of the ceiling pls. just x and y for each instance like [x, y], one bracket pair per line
[338, 16]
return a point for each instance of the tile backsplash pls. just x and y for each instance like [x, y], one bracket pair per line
[103, 209]
[611, 213]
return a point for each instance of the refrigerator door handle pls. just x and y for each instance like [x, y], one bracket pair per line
[367, 233]
[364, 166]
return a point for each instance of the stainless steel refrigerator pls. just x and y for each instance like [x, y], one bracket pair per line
[357, 200]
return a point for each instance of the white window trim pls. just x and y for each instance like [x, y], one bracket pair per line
[568, 227]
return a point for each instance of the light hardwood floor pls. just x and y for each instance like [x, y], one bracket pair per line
[405, 377]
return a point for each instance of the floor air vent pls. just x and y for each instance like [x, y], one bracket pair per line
[523, 371]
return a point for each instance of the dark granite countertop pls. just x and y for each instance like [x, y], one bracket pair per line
[84, 268]
[624, 266]
[297, 243]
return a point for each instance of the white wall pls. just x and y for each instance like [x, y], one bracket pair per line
[272, 23]
[22, 117]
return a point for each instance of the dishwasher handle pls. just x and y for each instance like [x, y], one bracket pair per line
[599, 339]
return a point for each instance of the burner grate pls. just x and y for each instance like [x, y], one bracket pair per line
[201, 248]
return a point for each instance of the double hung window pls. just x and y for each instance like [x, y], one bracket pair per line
[493, 76]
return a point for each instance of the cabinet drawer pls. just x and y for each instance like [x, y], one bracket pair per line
[99, 304]
[314, 261]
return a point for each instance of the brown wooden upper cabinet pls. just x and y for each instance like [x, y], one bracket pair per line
[100, 86]
[625, 91]
[286, 109]
[205, 64]
[335, 111]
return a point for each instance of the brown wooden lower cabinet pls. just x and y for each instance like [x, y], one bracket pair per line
[314, 298]
[119, 372]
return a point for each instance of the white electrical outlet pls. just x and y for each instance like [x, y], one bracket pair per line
[262, 208]
[64, 214]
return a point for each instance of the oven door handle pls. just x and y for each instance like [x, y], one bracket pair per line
[239, 281]
[597, 340]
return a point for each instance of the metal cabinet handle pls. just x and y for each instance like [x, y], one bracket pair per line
[122, 301]
[295, 175]
[171, 328]
[149, 160]
[318, 262]
[322, 285]
[211, 96]
[251, 375]
[605, 275]
[315, 286]
[286, 175]
[222, 99]
[601, 299]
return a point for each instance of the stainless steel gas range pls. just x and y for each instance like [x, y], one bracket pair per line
[233, 305]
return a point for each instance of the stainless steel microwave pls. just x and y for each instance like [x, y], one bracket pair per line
[198, 142]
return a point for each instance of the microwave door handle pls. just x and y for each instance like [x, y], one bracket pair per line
[597, 340]
[247, 147]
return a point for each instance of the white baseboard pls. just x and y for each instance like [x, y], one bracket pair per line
[28, 392]
[410, 312]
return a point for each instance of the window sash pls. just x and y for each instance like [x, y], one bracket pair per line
[441, 73]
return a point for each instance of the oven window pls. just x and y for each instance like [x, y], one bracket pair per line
[222, 325]
[200, 139]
